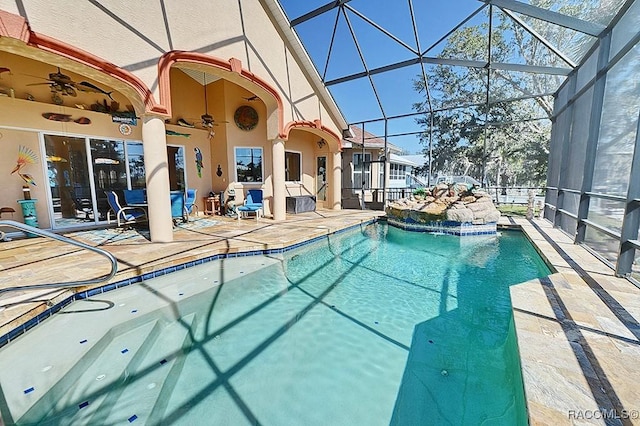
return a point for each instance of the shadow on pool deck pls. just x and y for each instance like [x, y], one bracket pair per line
[38, 260]
[582, 295]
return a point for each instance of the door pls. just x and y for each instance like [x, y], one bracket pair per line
[321, 180]
[69, 183]
[175, 156]
[109, 165]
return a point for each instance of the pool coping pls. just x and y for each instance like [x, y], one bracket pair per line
[578, 341]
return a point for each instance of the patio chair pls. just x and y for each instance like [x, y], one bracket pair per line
[83, 205]
[190, 202]
[252, 204]
[178, 210]
[124, 215]
[82, 202]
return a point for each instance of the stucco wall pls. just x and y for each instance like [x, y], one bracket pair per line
[20, 124]
[135, 36]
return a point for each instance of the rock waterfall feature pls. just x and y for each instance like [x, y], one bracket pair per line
[450, 209]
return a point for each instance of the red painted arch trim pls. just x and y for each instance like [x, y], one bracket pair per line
[316, 124]
[17, 27]
[233, 65]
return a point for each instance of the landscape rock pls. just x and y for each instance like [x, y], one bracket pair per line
[456, 203]
[460, 215]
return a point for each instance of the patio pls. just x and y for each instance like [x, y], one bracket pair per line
[582, 313]
[38, 261]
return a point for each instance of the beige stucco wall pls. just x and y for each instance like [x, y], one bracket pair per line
[307, 144]
[134, 36]
[135, 40]
[21, 122]
[11, 188]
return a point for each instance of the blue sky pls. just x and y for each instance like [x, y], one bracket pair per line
[356, 98]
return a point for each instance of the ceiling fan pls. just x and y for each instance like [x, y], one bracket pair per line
[62, 84]
[206, 120]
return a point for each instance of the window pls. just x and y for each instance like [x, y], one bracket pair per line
[135, 156]
[397, 171]
[358, 179]
[175, 155]
[293, 165]
[248, 164]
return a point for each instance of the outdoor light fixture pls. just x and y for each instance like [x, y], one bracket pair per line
[321, 143]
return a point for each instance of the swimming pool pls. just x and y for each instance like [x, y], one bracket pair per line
[375, 326]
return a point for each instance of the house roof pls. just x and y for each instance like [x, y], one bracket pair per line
[400, 159]
[418, 159]
[370, 140]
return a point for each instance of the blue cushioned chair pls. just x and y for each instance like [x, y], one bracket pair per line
[190, 202]
[177, 206]
[124, 215]
[252, 204]
[135, 196]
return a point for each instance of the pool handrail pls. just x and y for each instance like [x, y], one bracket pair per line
[44, 233]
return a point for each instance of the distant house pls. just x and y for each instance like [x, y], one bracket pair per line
[363, 173]
[414, 180]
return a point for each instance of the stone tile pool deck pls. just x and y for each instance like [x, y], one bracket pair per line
[578, 336]
[577, 329]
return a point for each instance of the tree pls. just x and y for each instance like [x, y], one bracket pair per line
[508, 133]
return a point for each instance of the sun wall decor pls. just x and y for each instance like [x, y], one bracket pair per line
[246, 117]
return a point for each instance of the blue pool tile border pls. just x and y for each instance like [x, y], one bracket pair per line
[446, 227]
[21, 329]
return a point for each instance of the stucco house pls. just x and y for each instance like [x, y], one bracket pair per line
[213, 96]
[364, 176]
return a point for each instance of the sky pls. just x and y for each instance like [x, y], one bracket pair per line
[356, 99]
[434, 20]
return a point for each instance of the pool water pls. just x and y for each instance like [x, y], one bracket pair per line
[371, 327]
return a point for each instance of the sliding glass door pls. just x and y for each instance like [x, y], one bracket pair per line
[109, 164]
[69, 182]
[81, 169]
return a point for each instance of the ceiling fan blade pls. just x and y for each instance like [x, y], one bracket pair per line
[40, 84]
[37, 76]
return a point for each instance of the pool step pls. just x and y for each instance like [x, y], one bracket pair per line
[150, 380]
[81, 389]
[30, 405]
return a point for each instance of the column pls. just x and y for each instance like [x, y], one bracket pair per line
[279, 188]
[154, 141]
[335, 184]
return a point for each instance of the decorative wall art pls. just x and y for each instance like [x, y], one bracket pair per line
[174, 133]
[53, 116]
[125, 129]
[28, 178]
[246, 118]
[199, 165]
[25, 156]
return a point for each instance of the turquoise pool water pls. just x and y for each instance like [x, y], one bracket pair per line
[372, 327]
